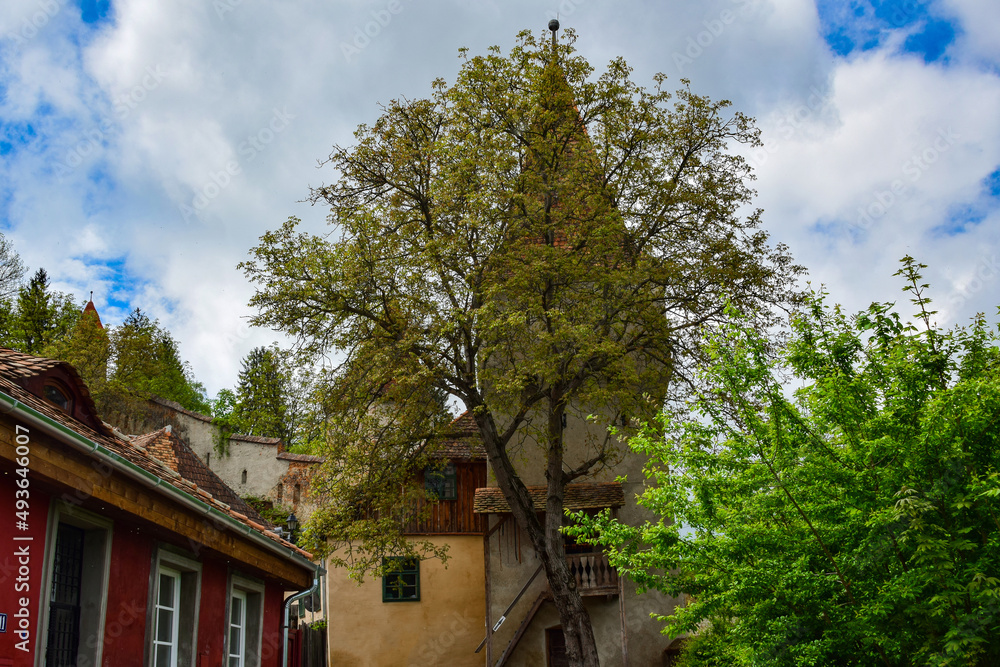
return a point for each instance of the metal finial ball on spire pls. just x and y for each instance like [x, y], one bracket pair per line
[554, 25]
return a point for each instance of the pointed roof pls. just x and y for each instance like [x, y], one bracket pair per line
[91, 308]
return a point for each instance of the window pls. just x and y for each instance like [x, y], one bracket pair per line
[64, 598]
[176, 589]
[401, 583]
[76, 582]
[441, 481]
[166, 621]
[296, 494]
[57, 395]
[246, 608]
[243, 477]
[238, 629]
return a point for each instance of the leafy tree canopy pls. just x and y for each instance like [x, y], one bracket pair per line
[856, 523]
[145, 362]
[531, 241]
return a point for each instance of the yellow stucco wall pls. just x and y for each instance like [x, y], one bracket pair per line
[443, 628]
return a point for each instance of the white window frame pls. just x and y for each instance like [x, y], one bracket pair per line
[252, 592]
[239, 651]
[97, 572]
[188, 598]
[173, 642]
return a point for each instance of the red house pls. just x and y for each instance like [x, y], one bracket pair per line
[118, 551]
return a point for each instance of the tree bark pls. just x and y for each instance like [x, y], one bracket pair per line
[546, 538]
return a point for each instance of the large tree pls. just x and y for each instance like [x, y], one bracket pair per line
[531, 241]
[856, 523]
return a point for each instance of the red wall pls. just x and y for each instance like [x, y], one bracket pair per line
[128, 590]
[270, 645]
[212, 615]
[21, 565]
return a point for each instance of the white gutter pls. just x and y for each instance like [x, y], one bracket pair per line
[70, 437]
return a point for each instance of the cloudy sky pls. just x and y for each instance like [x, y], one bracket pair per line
[145, 145]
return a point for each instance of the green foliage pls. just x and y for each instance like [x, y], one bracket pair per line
[533, 242]
[223, 411]
[514, 242]
[145, 362]
[854, 524]
[276, 516]
[88, 348]
[39, 316]
[262, 402]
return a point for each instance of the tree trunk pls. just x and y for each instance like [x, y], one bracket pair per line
[547, 539]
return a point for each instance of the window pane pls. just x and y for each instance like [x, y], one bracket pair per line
[164, 625]
[236, 611]
[166, 590]
[404, 582]
[162, 656]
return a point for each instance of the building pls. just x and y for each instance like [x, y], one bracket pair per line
[427, 613]
[125, 552]
[251, 465]
[491, 604]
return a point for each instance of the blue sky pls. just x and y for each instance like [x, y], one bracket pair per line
[145, 145]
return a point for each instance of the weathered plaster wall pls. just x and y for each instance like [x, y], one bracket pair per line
[443, 628]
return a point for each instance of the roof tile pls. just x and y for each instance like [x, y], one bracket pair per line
[593, 495]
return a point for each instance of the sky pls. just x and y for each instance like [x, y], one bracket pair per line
[146, 145]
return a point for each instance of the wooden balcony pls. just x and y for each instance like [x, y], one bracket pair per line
[593, 574]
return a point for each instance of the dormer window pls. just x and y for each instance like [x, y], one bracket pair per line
[58, 395]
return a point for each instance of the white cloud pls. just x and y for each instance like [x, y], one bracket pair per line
[155, 105]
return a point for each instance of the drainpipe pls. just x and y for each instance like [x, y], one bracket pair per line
[287, 617]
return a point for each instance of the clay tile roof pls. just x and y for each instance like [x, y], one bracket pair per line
[303, 458]
[594, 495]
[460, 441]
[16, 365]
[178, 455]
[255, 438]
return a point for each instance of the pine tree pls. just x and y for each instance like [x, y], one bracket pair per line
[42, 315]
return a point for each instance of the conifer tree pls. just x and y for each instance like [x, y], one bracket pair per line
[41, 315]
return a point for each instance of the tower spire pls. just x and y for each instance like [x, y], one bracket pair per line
[554, 27]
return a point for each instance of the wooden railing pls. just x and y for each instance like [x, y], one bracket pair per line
[593, 574]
